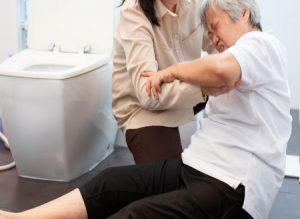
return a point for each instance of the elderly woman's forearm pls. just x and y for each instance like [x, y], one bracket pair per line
[211, 71]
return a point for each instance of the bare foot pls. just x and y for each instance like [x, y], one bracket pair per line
[8, 215]
[2, 215]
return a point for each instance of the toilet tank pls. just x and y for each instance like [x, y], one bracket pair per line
[71, 24]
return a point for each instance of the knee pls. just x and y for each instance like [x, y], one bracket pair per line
[104, 181]
[108, 177]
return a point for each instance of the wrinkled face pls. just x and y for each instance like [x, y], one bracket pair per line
[222, 30]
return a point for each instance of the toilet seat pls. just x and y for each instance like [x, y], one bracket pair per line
[72, 64]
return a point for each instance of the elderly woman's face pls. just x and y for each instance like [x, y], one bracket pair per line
[222, 30]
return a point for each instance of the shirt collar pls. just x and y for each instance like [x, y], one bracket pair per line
[162, 10]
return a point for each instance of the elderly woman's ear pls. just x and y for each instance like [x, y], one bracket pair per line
[246, 15]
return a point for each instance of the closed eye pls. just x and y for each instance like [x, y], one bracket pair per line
[214, 26]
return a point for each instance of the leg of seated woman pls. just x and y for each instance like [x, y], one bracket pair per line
[154, 143]
[109, 192]
[116, 187]
[69, 206]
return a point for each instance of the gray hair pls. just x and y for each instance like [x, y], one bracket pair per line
[235, 10]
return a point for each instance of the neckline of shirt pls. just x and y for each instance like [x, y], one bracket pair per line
[162, 10]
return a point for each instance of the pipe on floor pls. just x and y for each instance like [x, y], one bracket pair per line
[6, 144]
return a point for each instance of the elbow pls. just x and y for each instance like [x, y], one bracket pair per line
[147, 102]
[225, 76]
[152, 104]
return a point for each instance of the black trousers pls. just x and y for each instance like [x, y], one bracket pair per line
[154, 143]
[166, 189]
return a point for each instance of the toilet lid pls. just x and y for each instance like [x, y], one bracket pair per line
[71, 24]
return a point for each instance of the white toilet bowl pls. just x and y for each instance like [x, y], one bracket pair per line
[56, 106]
[32, 63]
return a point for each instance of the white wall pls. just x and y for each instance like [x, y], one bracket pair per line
[9, 31]
[117, 11]
[9, 40]
[283, 18]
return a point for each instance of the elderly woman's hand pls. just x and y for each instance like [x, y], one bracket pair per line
[155, 81]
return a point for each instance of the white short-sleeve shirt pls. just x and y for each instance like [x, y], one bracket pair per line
[243, 139]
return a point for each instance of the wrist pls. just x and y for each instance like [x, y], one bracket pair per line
[174, 71]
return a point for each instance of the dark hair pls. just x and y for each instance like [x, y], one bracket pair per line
[255, 24]
[149, 10]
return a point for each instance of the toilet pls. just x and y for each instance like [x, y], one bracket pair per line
[55, 96]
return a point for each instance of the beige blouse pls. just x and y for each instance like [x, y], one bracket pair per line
[138, 47]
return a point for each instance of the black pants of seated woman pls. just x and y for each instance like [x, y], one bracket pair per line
[166, 189]
[155, 143]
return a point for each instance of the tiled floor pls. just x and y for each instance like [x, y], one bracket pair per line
[17, 193]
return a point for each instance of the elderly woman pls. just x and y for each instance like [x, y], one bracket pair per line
[234, 165]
